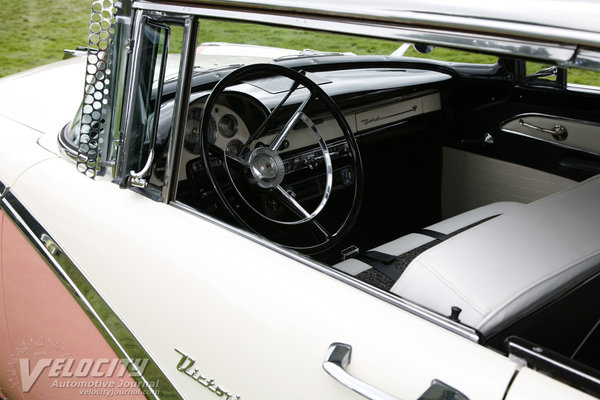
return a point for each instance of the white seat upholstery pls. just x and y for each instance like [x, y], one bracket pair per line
[498, 271]
[412, 241]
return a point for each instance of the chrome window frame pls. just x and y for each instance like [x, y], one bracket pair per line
[140, 17]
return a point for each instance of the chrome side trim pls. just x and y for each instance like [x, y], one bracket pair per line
[3, 191]
[112, 328]
[554, 142]
[68, 152]
[437, 319]
[405, 30]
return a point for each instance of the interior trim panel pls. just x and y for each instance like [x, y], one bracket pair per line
[574, 134]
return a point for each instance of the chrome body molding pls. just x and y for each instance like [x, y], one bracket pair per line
[562, 141]
[116, 333]
[545, 42]
[3, 191]
[437, 319]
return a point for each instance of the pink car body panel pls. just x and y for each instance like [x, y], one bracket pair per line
[49, 348]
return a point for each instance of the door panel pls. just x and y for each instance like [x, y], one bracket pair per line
[569, 133]
[493, 129]
[55, 349]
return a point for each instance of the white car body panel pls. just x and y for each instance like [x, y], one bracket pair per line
[255, 318]
[248, 304]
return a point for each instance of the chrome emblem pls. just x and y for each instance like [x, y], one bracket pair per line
[185, 366]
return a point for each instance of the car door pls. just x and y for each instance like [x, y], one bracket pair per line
[223, 314]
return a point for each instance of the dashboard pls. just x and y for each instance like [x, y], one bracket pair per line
[372, 100]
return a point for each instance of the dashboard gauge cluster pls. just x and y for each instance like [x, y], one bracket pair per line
[228, 125]
[192, 130]
[227, 130]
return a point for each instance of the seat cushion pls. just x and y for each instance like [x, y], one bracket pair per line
[498, 271]
[412, 241]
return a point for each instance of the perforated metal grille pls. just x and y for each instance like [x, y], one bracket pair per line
[96, 93]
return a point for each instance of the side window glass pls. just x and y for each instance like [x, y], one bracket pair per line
[573, 79]
[583, 79]
[144, 93]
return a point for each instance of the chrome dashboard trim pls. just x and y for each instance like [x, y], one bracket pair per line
[549, 140]
[406, 29]
[108, 323]
[437, 319]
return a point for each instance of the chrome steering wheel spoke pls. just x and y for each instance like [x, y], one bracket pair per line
[298, 115]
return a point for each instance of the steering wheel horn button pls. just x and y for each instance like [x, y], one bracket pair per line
[266, 167]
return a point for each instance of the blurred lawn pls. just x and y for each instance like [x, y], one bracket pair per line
[35, 32]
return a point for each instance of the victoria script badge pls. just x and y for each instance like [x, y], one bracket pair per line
[186, 365]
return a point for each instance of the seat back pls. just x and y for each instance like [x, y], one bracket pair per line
[501, 269]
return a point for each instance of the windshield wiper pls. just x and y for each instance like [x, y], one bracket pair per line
[306, 53]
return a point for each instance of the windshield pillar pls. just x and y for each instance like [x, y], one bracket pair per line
[184, 85]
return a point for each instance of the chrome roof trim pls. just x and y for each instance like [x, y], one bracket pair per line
[437, 319]
[545, 25]
[108, 323]
[544, 49]
[587, 59]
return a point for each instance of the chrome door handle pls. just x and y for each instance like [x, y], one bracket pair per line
[338, 358]
[558, 132]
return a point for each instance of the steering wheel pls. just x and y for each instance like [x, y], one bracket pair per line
[245, 178]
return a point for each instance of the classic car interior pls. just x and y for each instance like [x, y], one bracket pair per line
[445, 187]
[469, 189]
[443, 190]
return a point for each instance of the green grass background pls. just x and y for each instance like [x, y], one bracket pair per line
[35, 32]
